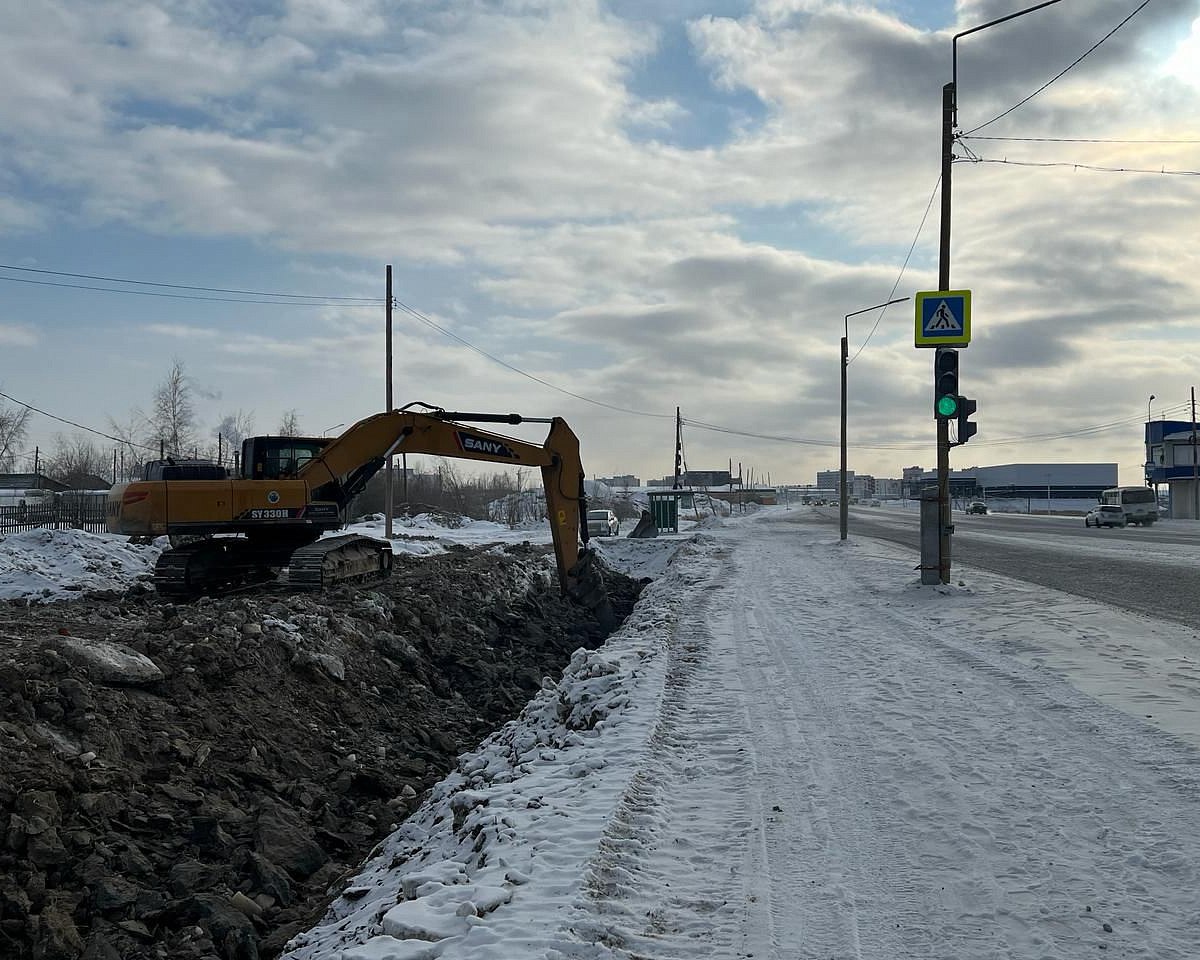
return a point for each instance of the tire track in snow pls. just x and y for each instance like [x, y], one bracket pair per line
[1023, 805]
[665, 880]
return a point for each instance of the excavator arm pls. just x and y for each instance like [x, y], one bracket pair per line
[345, 465]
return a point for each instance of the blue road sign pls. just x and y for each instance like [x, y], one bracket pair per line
[943, 318]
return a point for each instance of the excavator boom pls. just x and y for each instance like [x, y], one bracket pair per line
[342, 469]
[292, 490]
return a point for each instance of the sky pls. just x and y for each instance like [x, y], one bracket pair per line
[791, 747]
[604, 210]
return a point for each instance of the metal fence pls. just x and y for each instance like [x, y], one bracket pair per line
[66, 513]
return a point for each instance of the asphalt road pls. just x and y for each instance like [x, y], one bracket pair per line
[1151, 570]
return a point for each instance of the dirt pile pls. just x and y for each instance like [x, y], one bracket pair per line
[192, 781]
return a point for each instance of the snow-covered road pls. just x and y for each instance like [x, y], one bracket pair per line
[796, 752]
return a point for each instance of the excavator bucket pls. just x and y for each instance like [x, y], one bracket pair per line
[585, 585]
[645, 527]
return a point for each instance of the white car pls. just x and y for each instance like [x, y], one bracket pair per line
[1105, 515]
[602, 523]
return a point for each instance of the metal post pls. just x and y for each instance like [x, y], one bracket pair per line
[841, 491]
[842, 505]
[1195, 466]
[387, 478]
[943, 426]
[949, 117]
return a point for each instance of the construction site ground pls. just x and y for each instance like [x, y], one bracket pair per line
[198, 780]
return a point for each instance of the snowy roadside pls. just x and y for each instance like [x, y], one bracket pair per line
[621, 809]
[523, 815]
[544, 841]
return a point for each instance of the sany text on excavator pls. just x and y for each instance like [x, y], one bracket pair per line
[292, 490]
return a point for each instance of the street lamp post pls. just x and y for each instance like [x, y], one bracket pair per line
[325, 432]
[1149, 456]
[843, 509]
[949, 121]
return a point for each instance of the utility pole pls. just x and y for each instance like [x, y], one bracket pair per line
[943, 425]
[843, 510]
[387, 477]
[678, 447]
[1195, 467]
[949, 118]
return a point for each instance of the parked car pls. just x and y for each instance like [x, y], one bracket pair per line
[1105, 515]
[977, 506]
[602, 523]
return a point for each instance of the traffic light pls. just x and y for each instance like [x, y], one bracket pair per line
[945, 384]
[966, 410]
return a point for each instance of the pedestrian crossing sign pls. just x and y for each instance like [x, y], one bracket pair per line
[943, 318]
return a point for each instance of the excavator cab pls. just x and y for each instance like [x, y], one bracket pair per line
[279, 458]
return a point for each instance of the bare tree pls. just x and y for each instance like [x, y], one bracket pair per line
[173, 418]
[77, 461]
[14, 428]
[130, 450]
[289, 426]
[233, 429]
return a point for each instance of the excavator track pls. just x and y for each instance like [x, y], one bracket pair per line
[337, 560]
[213, 566]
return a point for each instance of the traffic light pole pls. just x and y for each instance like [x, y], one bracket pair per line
[943, 426]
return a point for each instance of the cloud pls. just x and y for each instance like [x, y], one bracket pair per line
[496, 153]
[12, 335]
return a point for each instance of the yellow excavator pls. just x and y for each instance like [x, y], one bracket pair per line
[227, 533]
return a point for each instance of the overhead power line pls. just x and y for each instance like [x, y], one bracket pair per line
[1092, 167]
[903, 267]
[416, 314]
[176, 296]
[1074, 63]
[964, 136]
[184, 286]
[72, 423]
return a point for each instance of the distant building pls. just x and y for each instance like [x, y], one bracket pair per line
[625, 480]
[862, 487]
[832, 479]
[912, 481]
[32, 481]
[889, 489]
[697, 478]
[1030, 481]
[1171, 458]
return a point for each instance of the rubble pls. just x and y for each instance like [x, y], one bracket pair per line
[199, 780]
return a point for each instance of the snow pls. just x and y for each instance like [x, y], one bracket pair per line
[793, 749]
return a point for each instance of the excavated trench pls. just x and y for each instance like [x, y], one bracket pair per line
[198, 780]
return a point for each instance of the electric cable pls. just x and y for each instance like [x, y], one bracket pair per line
[185, 286]
[416, 314]
[964, 136]
[1093, 167]
[1025, 100]
[174, 296]
[903, 267]
[72, 423]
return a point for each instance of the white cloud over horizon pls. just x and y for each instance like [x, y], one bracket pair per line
[524, 166]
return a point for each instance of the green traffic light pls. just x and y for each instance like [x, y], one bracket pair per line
[947, 406]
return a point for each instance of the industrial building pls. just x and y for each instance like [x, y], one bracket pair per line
[1029, 483]
[1171, 447]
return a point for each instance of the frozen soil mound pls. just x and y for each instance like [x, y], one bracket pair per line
[201, 780]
